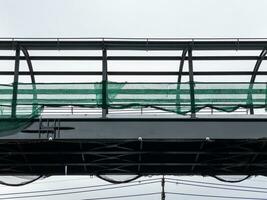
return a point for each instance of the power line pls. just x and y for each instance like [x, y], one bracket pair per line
[216, 187]
[77, 192]
[140, 182]
[219, 184]
[124, 196]
[214, 196]
[47, 181]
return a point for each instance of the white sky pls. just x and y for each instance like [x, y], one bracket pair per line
[132, 18]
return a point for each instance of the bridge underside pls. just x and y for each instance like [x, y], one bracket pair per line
[138, 146]
[179, 125]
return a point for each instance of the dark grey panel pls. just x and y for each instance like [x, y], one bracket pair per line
[135, 45]
[153, 129]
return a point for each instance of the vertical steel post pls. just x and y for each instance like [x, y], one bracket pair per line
[104, 83]
[191, 83]
[253, 78]
[163, 188]
[15, 83]
[179, 80]
[29, 63]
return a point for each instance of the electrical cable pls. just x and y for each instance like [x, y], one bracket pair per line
[75, 192]
[233, 181]
[124, 196]
[219, 184]
[82, 187]
[116, 181]
[216, 187]
[50, 181]
[215, 196]
[23, 183]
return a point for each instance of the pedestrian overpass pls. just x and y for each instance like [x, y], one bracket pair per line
[211, 127]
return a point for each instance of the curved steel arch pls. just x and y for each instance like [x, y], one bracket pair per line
[29, 63]
[253, 78]
[181, 66]
[30, 66]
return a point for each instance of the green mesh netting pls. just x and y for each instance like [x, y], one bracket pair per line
[170, 97]
[24, 114]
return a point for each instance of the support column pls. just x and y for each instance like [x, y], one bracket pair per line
[104, 83]
[179, 80]
[163, 188]
[30, 66]
[253, 78]
[15, 83]
[191, 83]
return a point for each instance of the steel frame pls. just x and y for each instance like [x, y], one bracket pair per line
[184, 155]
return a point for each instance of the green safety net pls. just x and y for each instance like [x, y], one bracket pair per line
[169, 97]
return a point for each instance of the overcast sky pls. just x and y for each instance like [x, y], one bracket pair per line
[132, 18]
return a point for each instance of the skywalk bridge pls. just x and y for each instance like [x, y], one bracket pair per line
[183, 127]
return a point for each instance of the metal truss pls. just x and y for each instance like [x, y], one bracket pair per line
[126, 157]
[51, 152]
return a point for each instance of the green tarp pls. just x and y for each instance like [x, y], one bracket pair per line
[170, 97]
[166, 96]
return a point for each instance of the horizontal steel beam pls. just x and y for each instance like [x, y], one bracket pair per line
[10, 153]
[135, 45]
[134, 73]
[132, 58]
[151, 129]
[121, 164]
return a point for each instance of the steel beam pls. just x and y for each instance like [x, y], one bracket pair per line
[15, 83]
[191, 84]
[253, 78]
[180, 73]
[132, 58]
[135, 45]
[186, 129]
[134, 73]
[104, 83]
[181, 66]
[30, 67]
[201, 152]
[155, 164]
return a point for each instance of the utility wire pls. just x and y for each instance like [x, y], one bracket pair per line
[47, 181]
[216, 187]
[124, 196]
[215, 196]
[83, 187]
[219, 184]
[77, 192]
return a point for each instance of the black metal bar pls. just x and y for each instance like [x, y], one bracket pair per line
[140, 154]
[163, 188]
[29, 63]
[134, 73]
[175, 58]
[15, 83]
[232, 164]
[202, 144]
[180, 73]
[104, 83]
[253, 78]
[251, 153]
[181, 66]
[192, 84]
[133, 58]
[136, 45]
[53, 58]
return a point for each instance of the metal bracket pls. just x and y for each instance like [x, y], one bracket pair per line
[49, 128]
